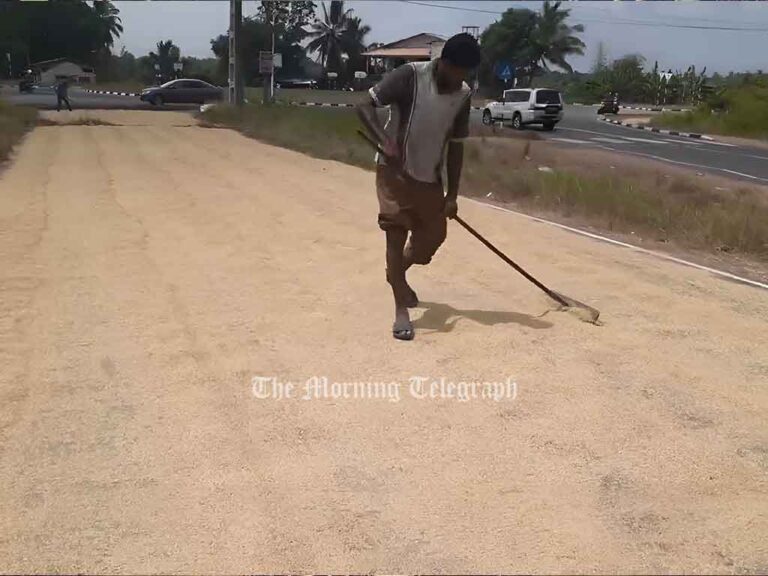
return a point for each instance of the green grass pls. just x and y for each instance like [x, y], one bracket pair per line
[15, 121]
[124, 86]
[662, 209]
[323, 96]
[323, 133]
[657, 209]
[741, 112]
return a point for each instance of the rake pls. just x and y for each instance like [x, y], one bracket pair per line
[583, 311]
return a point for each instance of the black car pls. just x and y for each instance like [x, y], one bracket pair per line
[183, 91]
[296, 83]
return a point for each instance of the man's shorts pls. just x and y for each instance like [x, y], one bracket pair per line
[412, 205]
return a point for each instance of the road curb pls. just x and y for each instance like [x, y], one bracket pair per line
[111, 93]
[655, 109]
[342, 105]
[641, 250]
[656, 130]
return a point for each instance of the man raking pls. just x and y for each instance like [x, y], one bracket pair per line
[429, 110]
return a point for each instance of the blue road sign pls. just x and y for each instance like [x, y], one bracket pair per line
[504, 71]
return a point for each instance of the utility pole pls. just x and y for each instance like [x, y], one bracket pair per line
[235, 75]
[272, 72]
[474, 31]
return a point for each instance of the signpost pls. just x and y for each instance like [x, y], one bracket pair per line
[504, 71]
[266, 62]
[235, 92]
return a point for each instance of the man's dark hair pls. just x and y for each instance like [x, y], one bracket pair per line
[462, 50]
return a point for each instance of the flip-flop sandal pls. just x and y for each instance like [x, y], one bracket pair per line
[403, 333]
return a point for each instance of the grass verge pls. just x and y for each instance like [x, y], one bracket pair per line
[125, 86]
[738, 112]
[323, 133]
[650, 205]
[323, 96]
[15, 121]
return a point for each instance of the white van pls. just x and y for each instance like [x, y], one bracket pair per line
[522, 106]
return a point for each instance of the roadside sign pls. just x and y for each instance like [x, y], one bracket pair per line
[504, 71]
[360, 75]
[266, 62]
[278, 60]
[157, 66]
[177, 66]
[332, 75]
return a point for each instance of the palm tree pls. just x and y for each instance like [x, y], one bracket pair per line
[552, 40]
[109, 20]
[327, 35]
[167, 54]
[353, 43]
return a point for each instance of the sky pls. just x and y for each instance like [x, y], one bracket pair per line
[624, 28]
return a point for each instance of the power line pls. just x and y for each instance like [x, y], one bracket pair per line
[620, 22]
[583, 6]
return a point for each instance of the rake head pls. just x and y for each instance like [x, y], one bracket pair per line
[582, 311]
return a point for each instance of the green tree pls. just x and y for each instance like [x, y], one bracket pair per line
[531, 41]
[353, 45]
[256, 35]
[506, 40]
[552, 40]
[288, 15]
[109, 22]
[327, 35]
[167, 54]
[625, 76]
[36, 31]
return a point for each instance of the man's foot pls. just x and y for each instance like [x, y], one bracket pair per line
[402, 329]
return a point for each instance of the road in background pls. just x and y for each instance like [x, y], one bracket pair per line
[580, 127]
[44, 98]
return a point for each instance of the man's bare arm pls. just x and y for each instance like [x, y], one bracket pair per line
[454, 163]
[370, 119]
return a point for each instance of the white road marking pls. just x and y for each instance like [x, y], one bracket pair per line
[645, 140]
[662, 159]
[569, 140]
[685, 142]
[661, 255]
[611, 140]
[737, 152]
[713, 143]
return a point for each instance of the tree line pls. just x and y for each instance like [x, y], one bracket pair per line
[537, 45]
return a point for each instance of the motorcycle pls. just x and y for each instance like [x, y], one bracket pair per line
[609, 105]
[26, 85]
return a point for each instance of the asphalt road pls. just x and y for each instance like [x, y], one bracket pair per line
[580, 127]
[45, 99]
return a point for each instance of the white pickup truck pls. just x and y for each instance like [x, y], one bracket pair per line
[523, 106]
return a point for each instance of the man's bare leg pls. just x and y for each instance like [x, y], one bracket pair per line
[412, 300]
[402, 328]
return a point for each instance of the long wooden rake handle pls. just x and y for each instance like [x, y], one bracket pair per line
[552, 294]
